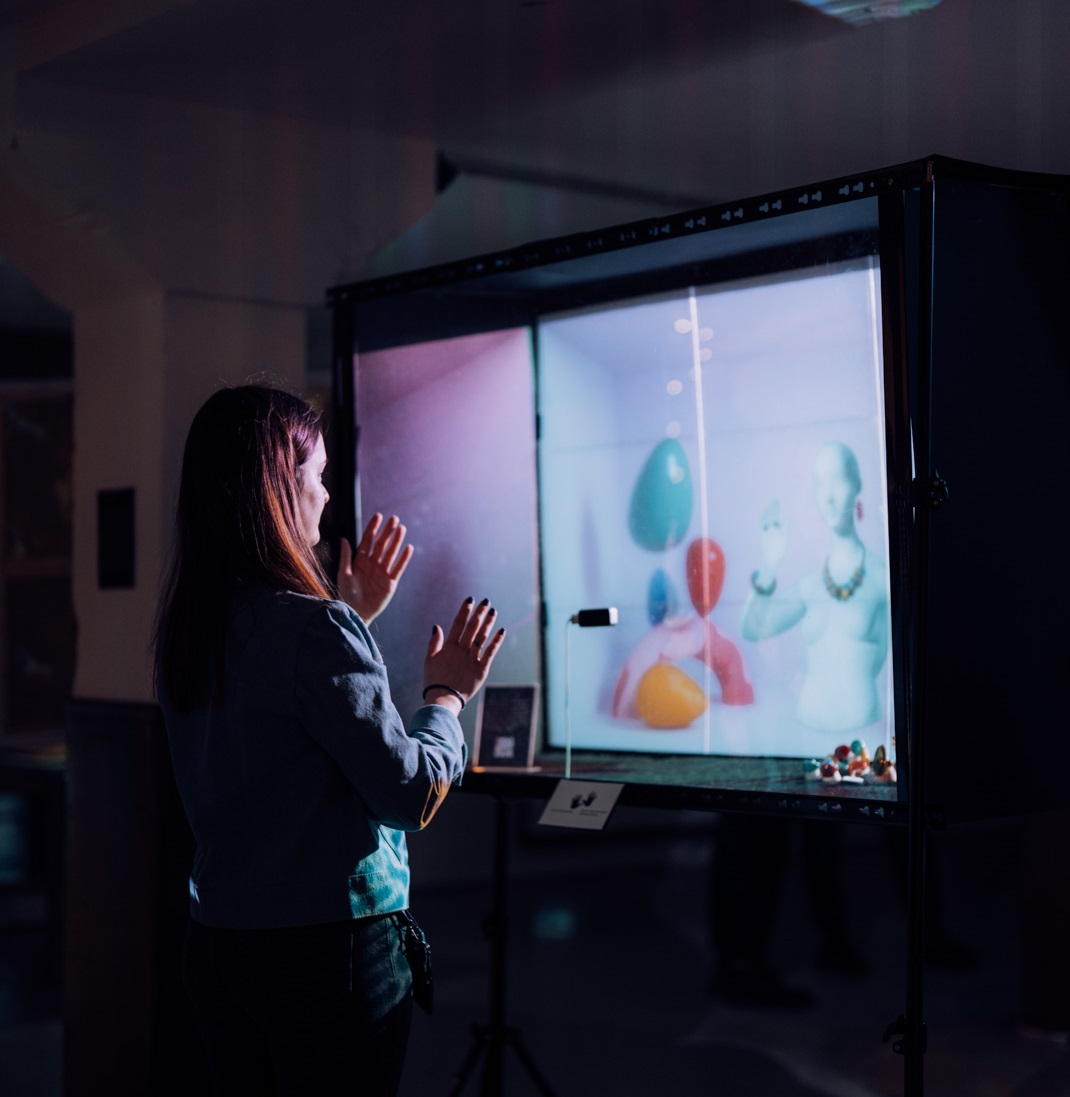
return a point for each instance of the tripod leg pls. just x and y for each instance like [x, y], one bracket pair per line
[529, 1064]
[464, 1071]
[494, 1070]
[493, 1038]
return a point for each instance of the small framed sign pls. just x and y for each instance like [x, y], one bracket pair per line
[505, 728]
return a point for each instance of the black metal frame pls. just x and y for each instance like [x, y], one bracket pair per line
[908, 236]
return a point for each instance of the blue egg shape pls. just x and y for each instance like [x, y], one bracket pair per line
[660, 598]
[662, 498]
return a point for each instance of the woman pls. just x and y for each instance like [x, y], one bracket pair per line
[295, 770]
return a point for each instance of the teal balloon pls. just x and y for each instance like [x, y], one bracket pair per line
[662, 498]
[660, 598]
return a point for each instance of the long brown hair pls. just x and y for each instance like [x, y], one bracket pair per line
[237, 524]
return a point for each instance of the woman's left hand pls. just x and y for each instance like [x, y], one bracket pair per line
[368, 577]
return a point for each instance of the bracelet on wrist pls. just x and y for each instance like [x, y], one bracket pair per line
[763, 591]
[447, 689]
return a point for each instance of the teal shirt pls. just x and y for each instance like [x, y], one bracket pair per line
[300, 783]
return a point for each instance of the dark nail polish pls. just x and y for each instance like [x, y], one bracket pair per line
[486, 601]
[469, 600]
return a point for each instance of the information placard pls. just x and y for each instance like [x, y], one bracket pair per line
[582, 805]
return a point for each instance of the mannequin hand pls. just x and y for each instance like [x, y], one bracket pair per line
[368, 577]
[772, 541]
[462, 659]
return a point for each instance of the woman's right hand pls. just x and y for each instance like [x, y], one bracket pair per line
[461, 660]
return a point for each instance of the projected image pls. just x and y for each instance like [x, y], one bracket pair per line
[711, 463]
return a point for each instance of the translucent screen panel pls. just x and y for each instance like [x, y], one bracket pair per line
[446, 440]
[712, 464]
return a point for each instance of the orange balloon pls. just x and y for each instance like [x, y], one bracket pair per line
[705, 573]
[668, 698]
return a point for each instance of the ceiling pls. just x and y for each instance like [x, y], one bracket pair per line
[448, 71]
[294, 141]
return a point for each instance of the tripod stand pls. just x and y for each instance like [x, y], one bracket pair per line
[491, 1040]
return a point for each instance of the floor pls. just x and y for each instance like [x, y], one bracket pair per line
[608, 978]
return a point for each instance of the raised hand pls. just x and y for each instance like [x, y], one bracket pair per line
[368, 577]
[772, 540]
[458, 663]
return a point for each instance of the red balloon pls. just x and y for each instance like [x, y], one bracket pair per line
[705, 573]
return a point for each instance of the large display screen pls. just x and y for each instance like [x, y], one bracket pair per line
[762, 434]
[692, 434]
[711, 463]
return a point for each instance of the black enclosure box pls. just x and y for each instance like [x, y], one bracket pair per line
[811, 445]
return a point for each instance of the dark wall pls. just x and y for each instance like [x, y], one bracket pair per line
[127, 1027]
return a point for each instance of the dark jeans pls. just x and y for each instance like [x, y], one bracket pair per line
[312, 1010]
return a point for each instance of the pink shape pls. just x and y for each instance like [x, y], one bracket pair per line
[722, 657]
